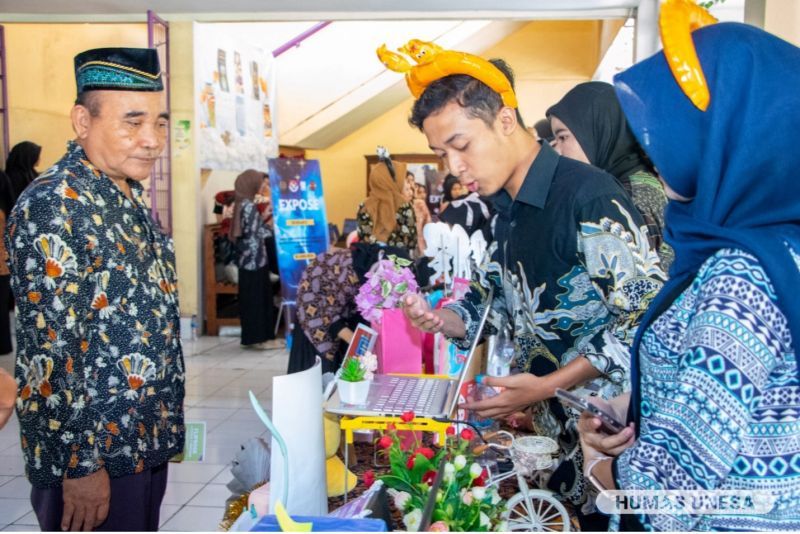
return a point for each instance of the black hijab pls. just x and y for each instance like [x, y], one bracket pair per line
[7, 198]
[592, 113]
[19, 166]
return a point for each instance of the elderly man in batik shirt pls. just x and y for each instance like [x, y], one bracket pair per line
[99, 362]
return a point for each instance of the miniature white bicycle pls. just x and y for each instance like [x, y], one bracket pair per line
[530, 510]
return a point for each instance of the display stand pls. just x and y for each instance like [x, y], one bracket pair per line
[378, 422]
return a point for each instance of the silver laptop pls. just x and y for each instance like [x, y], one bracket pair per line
[426, 397]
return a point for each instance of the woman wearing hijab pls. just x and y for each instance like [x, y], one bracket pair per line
[589, 126]
[248, 232]
[422, 214]
[6, 203]
[714, 404]
[20, 166]
[386, 217]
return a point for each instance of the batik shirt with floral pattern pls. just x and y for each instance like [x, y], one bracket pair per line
[572, 272]
[404, 234]
[99, 361]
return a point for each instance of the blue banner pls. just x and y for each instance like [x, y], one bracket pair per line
[301, 225]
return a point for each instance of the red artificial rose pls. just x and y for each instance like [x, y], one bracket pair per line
[410, 463]
[451, 430]
[385, 442]
[467, 434]
[426, 452]
[369, 478]
[482, 479]
[391, 426]
[407, 417]
[429, 477]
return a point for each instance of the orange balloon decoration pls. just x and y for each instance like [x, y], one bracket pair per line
[433, 63]
[677, 21]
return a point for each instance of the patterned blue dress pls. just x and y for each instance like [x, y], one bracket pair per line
[720, 399]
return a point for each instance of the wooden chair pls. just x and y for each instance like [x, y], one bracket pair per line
[214, 289]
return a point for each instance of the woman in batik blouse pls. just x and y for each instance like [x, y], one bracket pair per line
[714, 366]
[386, 217]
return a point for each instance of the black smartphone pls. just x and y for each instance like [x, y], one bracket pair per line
[610, 424]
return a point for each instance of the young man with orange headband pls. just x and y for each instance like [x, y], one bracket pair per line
[570, 263]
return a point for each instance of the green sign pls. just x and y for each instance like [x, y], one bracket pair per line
[195, 447]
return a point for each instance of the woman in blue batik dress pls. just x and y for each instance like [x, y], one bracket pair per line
[715, 396]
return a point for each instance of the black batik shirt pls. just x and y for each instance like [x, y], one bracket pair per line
[99, 362]
[572, 272]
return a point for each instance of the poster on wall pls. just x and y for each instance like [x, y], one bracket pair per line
[234, 101]
[301, 223]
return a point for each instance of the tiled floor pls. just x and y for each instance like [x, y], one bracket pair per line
[219, 375]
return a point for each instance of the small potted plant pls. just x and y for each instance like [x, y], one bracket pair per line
[355, 377]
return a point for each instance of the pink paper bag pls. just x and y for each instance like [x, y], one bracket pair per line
[399, 346]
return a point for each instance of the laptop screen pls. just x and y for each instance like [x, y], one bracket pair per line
[473, 346]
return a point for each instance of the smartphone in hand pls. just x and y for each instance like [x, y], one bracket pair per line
[610, 424]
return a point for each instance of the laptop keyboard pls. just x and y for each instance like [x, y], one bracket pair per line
[398, 395]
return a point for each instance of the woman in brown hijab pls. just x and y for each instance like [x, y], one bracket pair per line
[386, 216]
[248, 232]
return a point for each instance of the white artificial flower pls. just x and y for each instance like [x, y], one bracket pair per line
[479, 493]
[466, 498]
[484, 520]
[460, 462]
[475, 470]
[412, 520]
[502, 526]
[495, 497]
[401, 499]
[449, 472]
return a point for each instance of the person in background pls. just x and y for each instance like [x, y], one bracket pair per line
[99, 366]
[715, 365]
[590, 127]
[572, 312]
[386, 217]
[267, 209]
[327, 314]
[249, 232]
[464, 208]
[21, 166]
[422, 214]
[8, 396]
[543, 131]
[7, 200]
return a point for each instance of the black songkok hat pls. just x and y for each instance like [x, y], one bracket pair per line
[118, 69]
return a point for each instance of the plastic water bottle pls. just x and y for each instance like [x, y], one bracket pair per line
[194, 327]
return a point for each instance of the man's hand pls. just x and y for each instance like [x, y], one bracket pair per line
[607, 444]
[521, 391]
[86, 501]
[419, 312]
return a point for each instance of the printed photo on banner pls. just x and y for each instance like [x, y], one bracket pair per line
[234, 101]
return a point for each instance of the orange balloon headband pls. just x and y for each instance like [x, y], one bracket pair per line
[677, 21]
[433, 63]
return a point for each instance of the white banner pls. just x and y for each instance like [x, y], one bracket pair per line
[234, 100]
